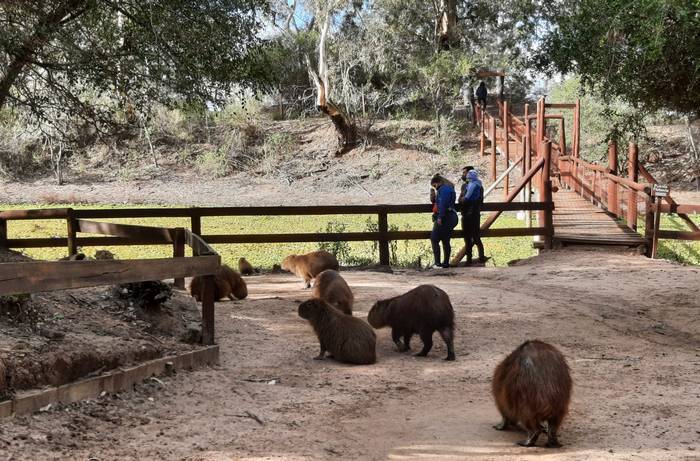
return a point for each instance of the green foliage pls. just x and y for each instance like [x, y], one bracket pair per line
[214, 163]
[647, 51]
[341, 250]
[602, 121]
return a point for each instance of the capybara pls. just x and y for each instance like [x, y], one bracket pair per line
[346, 338]
[244, 267]
[532, 386]
[423, 310]
[331, 287]
[310, 265]
[229, 284]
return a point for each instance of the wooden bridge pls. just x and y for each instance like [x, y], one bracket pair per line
[593, 204]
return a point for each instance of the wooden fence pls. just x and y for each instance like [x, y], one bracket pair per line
[119, 234]
[40, 276]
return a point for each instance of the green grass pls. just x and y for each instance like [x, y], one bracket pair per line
[404, 253]
[410, 253]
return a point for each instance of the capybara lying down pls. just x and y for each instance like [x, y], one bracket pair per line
[229, 284]
[532, 386]
[423, 310]
[331, 287]
[310, 265]
[346, 338]
[244, 267]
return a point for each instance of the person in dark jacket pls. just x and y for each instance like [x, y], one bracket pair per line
[481, 94]
[444, 219]
[471, 197]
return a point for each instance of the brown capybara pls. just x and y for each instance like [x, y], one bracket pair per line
[310, 265]
[532, 386]
[423, 310]
[244, 267]
[346, 338]
[331, 287]
[229, 284]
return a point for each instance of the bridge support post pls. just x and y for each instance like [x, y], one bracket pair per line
[613, 203]
[494, 174]
[548, 221]
[649, 224]
[506, 148]
[633, 175]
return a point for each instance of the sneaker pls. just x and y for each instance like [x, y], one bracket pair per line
[445, 265]
[437, 266]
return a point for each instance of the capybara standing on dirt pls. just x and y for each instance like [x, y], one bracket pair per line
[244, 267]
[229, 284]
[532, 386]
[423, 310]
[333, 289]
[310, 265]
[347, 338]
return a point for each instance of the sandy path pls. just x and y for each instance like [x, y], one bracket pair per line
[632, 342]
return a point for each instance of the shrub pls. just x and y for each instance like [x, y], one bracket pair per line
[214, 163]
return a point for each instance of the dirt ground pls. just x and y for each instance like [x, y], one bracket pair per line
[629, 327]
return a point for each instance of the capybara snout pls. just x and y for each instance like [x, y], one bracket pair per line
[422, 311]
[532, 386]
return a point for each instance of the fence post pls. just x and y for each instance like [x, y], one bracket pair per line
[493, 150]
[3, 233]
[657, 225]
[613, 204]
[179, 252]
[633, 175]
[482, 138]
[547, 193]
[208, 294]
[562, 137]
[196, 222]
[383, 226]
[649, 223]
[506, 148]
[72, 228]
[576, 148]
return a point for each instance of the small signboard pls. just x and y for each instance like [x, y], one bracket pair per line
[660, 191]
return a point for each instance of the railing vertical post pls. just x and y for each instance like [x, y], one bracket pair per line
[208, 295]
[383, 226]
[547, 193]
[3, 233]
[179, 252]
[657, 225]
[493, 150]
[562, 137]
[72, 228]
[649, 223]
[196, 222]
[482, 138]
[632, 194]
[613, 204]
[506, 148]
[576, 150]
[526, 167]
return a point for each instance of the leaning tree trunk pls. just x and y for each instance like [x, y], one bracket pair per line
[446, 26]
[345, 128]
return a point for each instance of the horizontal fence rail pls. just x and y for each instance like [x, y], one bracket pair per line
[80, 221]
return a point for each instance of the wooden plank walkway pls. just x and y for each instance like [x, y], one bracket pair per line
[577, 220]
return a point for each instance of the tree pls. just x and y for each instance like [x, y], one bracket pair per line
[78, 56]
[646, 52]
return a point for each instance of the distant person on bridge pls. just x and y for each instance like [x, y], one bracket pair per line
[481, 95]
[471, 197]
[444, 219]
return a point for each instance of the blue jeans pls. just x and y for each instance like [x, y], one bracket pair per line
[442, 233]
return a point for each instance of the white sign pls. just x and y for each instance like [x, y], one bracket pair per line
[660, 191]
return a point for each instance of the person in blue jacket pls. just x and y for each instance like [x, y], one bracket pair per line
[444, 219]
[471, 197]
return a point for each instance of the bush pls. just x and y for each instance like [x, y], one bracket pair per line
[214, 163]
[341, 250]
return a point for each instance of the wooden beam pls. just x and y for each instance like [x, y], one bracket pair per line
[559, 105]
[34, 277]
[48, 213]
[158, 234]
[678, 235]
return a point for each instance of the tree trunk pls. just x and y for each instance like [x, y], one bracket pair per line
[447, 25]
[345, 128]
